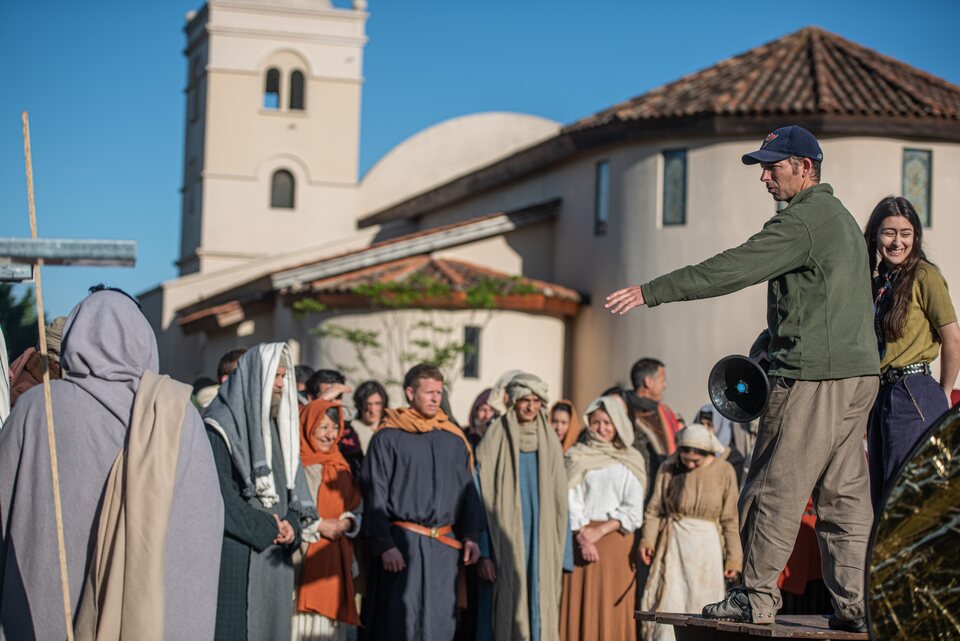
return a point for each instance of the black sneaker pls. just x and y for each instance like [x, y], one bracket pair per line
[734, 607]
[848, 625]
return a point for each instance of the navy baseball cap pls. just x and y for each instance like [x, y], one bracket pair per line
[786, 142]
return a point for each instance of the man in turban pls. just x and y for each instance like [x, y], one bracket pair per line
[524, 488]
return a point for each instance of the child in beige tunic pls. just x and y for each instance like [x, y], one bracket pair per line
[690, 530]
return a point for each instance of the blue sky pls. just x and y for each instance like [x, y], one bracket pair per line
[103, 83]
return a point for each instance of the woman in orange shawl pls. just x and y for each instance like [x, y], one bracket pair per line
[566, 423]
[326, 602]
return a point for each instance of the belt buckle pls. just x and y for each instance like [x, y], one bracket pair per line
[434, 533]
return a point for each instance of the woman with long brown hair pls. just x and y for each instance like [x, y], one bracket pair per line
[915, 323]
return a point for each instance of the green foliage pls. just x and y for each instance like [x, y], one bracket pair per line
[484, 293]
[305, 306]
[18, 319]
[406, 293]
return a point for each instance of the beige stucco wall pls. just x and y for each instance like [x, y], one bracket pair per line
[508, 340]
[726, 203]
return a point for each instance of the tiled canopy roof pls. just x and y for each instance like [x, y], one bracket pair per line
[455, 278]
[810, 72]
[437, 283]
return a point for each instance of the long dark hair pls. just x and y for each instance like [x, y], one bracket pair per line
[365, 391]
[893, 320]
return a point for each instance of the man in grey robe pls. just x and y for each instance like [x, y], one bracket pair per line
[107, 348]
[254, 431]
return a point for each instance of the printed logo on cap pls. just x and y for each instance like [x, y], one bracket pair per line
[768, 139]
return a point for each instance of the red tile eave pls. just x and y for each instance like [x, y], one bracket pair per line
[225, 315]
[200, 314]
[445, 268]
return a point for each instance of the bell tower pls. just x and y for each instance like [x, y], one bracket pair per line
[272, 131]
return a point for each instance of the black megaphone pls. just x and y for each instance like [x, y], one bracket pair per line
[738, 388]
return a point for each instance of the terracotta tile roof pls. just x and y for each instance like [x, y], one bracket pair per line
[457, 281]
[808, 73]
[813, 78]
[458, 275]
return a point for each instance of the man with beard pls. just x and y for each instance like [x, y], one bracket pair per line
[254, 431]
[524, 488]
[142, 516]
[421, 510]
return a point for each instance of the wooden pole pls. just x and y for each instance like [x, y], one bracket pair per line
[48, 401]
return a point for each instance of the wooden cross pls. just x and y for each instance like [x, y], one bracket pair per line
[21, 259]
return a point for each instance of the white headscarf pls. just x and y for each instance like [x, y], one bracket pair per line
[700, 437]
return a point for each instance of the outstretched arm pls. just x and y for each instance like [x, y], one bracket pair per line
[781, 246]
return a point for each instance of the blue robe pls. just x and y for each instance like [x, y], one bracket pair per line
[529, 478]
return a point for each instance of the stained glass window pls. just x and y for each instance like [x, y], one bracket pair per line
[471, 352]
[601, 204]
[916, 181]
[675, 187]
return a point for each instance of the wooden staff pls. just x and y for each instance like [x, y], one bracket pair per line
[48, 401]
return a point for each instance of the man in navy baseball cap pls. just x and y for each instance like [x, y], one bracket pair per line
[790, 158]
[824, 362]
[786, 142]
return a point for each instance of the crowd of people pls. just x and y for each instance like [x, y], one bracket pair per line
[276, 502]
[523, 521]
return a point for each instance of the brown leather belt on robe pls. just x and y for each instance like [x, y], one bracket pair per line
[436, 533]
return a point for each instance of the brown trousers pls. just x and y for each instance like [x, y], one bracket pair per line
[810, 443]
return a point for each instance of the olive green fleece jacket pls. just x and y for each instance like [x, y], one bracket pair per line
[819, 305]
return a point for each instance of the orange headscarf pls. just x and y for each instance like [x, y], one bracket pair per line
[576, 427]
[326, 582]
[410, 420]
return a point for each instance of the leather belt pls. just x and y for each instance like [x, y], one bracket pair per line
[435, 533]
[894, 374]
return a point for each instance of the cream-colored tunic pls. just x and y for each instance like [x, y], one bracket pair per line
[695, 537]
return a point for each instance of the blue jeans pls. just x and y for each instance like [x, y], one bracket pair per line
[900, 417]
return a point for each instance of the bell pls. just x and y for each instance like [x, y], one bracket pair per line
[738, 388]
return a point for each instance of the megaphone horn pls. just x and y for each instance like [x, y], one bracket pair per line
[738, 388]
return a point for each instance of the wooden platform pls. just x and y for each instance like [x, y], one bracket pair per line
[689, 627]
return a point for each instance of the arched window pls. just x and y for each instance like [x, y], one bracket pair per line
[296, 90]
[282, 189]
[271, 90]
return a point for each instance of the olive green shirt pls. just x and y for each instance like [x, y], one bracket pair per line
[929, 310]
[819, 304]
